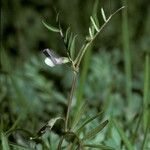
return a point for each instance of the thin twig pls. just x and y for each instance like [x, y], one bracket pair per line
[70, 100]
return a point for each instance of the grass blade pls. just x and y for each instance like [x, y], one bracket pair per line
[78, 115]
[146, 133]
[14, 126]
[127, 55]
[146, 94]
[122, 134]
[88, 121]
[146, 98]
[19, 147]
[100, 146]
[95, 131]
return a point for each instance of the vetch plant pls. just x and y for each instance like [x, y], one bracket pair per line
[71, 131]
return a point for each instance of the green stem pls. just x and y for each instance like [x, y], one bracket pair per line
[146, 97]
[127, 55]
[70, 99]
[123, 136]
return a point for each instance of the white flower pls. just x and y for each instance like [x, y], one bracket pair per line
[52, 59]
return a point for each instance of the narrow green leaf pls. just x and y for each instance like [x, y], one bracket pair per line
[146, 98]
[4, 140]
[51, 28]
[93, 30]
[94, 13]
[57, 17]
[13, 126]
[60, 143]
[95, 131]
[67, 35]
[94, 24]
[99, 146]
[19, 147]
[72, 47]
[103, 14]
[78, 115]
[122, 134]
[88, 121]
[70, 41]
[90, 33]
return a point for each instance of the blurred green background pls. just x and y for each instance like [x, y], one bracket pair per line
[112, 72]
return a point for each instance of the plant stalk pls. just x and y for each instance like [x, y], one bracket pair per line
[146, 95]
[70, 99]
[127, 53]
